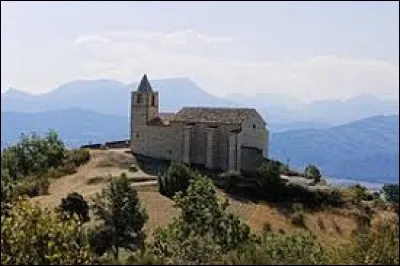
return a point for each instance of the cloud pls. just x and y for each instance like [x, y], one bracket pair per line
[166, 55]
[90, 40]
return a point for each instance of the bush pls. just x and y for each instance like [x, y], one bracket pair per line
[280, 249]
[78, 156]
[391, 192]
[311, 171]
[100, 239]
[74, 203]
[7, 191]
[359, 193]
[31, 236]
[285, 170]
[32, 187]
[376, 246]
[231, 179]
[33, 155]
[175, 179]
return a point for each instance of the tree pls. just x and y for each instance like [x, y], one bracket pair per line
[74, 203]
[31, 236]
[119, 208]
[33, 155]
[391, 192]
[175, 179]
[311, 171]
[204, 230]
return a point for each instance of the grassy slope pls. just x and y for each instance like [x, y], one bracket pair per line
[160, 208]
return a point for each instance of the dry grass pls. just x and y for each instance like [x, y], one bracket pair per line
[160, 209]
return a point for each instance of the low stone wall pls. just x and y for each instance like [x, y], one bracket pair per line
[96, 146]
[118, 144]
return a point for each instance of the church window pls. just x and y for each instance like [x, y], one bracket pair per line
[152, 100]
[254, 125]
[138, 98]
[137, 135]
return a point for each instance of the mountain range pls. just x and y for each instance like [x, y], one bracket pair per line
[281, 111]
[356, 139]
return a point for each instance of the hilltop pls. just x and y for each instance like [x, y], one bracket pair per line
[106, 164]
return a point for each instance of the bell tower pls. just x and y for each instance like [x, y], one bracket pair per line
[144, 107]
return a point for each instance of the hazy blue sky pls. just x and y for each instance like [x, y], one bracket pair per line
[311, 50]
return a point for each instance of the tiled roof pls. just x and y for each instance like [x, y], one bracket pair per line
[208, 114]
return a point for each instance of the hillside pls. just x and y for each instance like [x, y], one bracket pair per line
[108, 164]
[365, 149]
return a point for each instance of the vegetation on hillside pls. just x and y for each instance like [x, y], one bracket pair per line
[204, 232]
[73, 204]
[31, 236]
[28, 165]
[175, 179]
[391, 192]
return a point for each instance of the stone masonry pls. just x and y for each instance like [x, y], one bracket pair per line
[216, 138]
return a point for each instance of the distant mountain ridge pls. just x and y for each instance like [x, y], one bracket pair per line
[76, 126]
[281, 111]
[366, 149]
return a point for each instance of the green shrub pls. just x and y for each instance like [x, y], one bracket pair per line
[31, 236]
[74, 203]
[280, 249]
[33, 155]
[7, 191]
[79, 156]
[32, 187]
[376, 246]
[311, 171]
[391, 192]
[175, 179]
[285, 170]
[100, 239]
[67, 169]
[231, 179]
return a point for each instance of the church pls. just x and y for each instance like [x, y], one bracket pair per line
[214, 138]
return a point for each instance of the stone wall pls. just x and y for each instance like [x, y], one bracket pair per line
[118, 144]
[252, 158]
[162, 142]
[254, 134]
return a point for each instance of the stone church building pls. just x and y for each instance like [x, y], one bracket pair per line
[215, 138]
